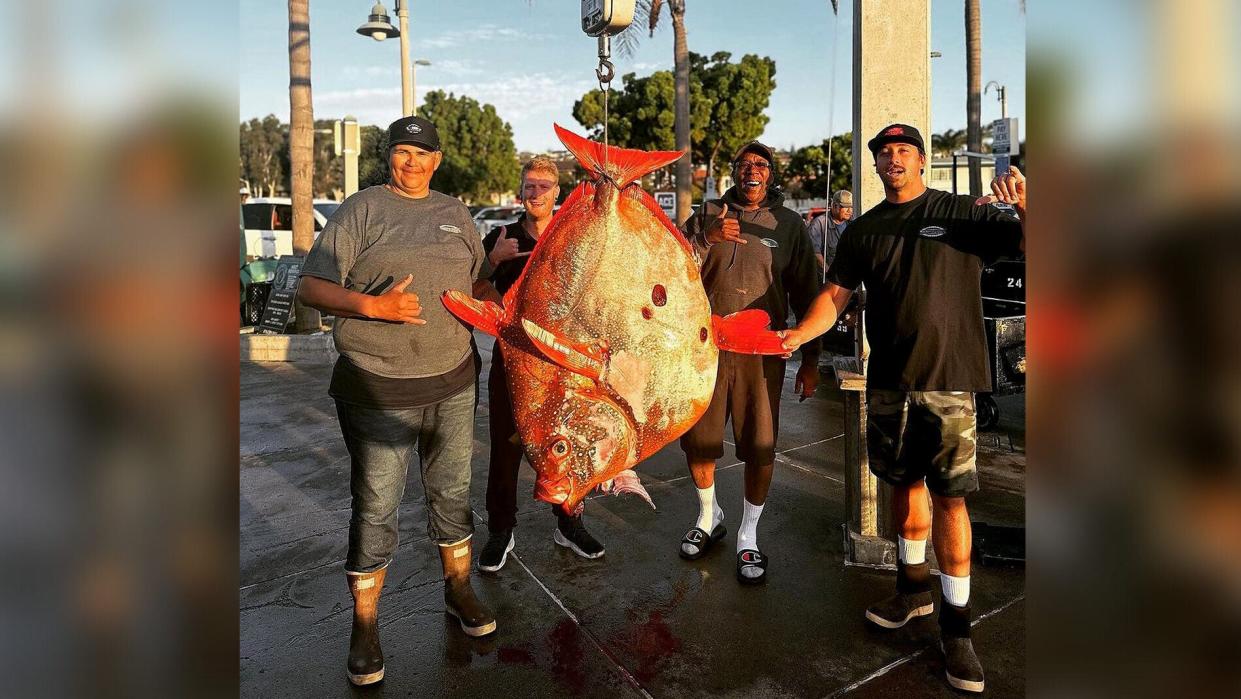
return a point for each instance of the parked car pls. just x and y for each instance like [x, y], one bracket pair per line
[492, 216]
[268, 225]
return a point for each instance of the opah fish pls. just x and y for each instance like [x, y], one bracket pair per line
[607, 336]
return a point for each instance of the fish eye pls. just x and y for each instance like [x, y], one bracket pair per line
[560, 447]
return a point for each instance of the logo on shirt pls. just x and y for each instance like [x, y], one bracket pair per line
[448, 228]
[932, 232]
[769, 242]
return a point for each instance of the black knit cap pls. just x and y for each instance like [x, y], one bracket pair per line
[414, 130]
[896, 133]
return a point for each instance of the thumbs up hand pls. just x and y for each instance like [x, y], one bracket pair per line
[505, 249]
[724, 229]
[398, 306]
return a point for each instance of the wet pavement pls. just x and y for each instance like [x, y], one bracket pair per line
[639, 621]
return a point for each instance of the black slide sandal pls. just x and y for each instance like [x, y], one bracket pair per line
[698, 537]
[751, 558]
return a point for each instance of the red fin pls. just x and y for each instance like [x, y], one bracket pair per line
[623, 166]
[745, 332]
[627, 481]
[484, 315]
[576, 357]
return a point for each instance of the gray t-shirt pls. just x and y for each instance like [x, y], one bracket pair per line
[822, 225]
[373, 241]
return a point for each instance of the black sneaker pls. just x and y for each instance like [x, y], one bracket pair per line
[961, 664]
[571, 534]
[495, 553]
[912, 598]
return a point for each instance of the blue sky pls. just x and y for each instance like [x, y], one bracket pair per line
[531, 60]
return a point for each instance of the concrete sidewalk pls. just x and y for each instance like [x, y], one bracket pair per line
[639, 621]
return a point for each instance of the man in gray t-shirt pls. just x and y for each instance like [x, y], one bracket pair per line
[825, 230]
[405, 381]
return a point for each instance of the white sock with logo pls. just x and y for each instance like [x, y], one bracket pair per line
[709, 513]
[747, 535]
[956, 590]
[911, 551]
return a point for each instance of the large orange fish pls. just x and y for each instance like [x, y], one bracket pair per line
[608, 338]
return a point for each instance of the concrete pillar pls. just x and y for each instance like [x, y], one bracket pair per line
[891, 81]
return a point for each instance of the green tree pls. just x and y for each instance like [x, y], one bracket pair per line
[742, 92]
[944, 144]
[480, 160]
[806, 175]
[373, 160]
[329, 175]
[265, 155]
[727, 102]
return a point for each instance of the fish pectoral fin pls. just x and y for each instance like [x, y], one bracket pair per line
[587, 360]
[484, 315]
[746, 332]
[627, 481]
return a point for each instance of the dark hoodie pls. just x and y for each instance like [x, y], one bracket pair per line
[776, 269]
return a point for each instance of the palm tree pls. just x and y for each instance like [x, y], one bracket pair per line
[627, 41]
[944, 144]
[973, 98]
[301, 144]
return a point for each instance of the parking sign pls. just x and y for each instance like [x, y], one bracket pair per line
[667, 201]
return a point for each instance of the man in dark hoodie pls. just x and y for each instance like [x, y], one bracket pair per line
[755, 254]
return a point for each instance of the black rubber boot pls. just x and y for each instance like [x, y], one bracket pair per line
[912, 598]
[961, 664]
[366, 658]
[459, 599]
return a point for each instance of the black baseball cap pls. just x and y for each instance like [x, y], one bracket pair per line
[758, 148]
[415, 130]
[896, 133]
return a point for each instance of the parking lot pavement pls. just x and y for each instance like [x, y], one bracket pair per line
[639, 621]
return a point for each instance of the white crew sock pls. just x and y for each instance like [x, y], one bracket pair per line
[747, 535]
[956, 590]
[709, 512]
[911, 551]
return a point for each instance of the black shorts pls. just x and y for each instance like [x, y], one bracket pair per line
[747, 389]
[912, 435]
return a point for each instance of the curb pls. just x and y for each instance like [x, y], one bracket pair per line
[309, 349]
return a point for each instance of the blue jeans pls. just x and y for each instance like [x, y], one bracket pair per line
[381, 446]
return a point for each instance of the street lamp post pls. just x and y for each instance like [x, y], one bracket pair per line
[1003, 95]
[379, 27]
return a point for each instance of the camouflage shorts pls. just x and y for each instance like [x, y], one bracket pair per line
[913, 435]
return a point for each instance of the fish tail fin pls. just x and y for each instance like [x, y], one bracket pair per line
[746, 332]
[484, 315]
[621, 165]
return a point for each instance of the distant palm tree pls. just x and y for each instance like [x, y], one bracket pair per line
[973, 95]
[627, 42]
[946, 143]
[301, 144]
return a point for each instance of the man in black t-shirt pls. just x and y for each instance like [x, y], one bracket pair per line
[920, 253]
[508, 249]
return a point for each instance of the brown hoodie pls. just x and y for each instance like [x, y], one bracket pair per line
[774, 271]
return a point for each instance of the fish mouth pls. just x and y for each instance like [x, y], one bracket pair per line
[555, 492]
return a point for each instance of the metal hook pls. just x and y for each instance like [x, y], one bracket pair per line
[605, 72]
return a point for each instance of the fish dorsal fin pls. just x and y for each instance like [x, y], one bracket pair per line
[623, 165]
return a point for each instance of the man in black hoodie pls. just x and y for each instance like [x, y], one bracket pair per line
[755, 254]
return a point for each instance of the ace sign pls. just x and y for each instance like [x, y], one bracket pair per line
[667, 201]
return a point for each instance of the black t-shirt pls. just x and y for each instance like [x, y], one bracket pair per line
[356, 386]
[506, 274]
[922, 262]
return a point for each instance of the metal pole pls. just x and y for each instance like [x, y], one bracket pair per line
[351, 144]
[1004, 103]
[407, 76]
[954, 173]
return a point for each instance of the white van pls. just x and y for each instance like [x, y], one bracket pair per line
[268, 224]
